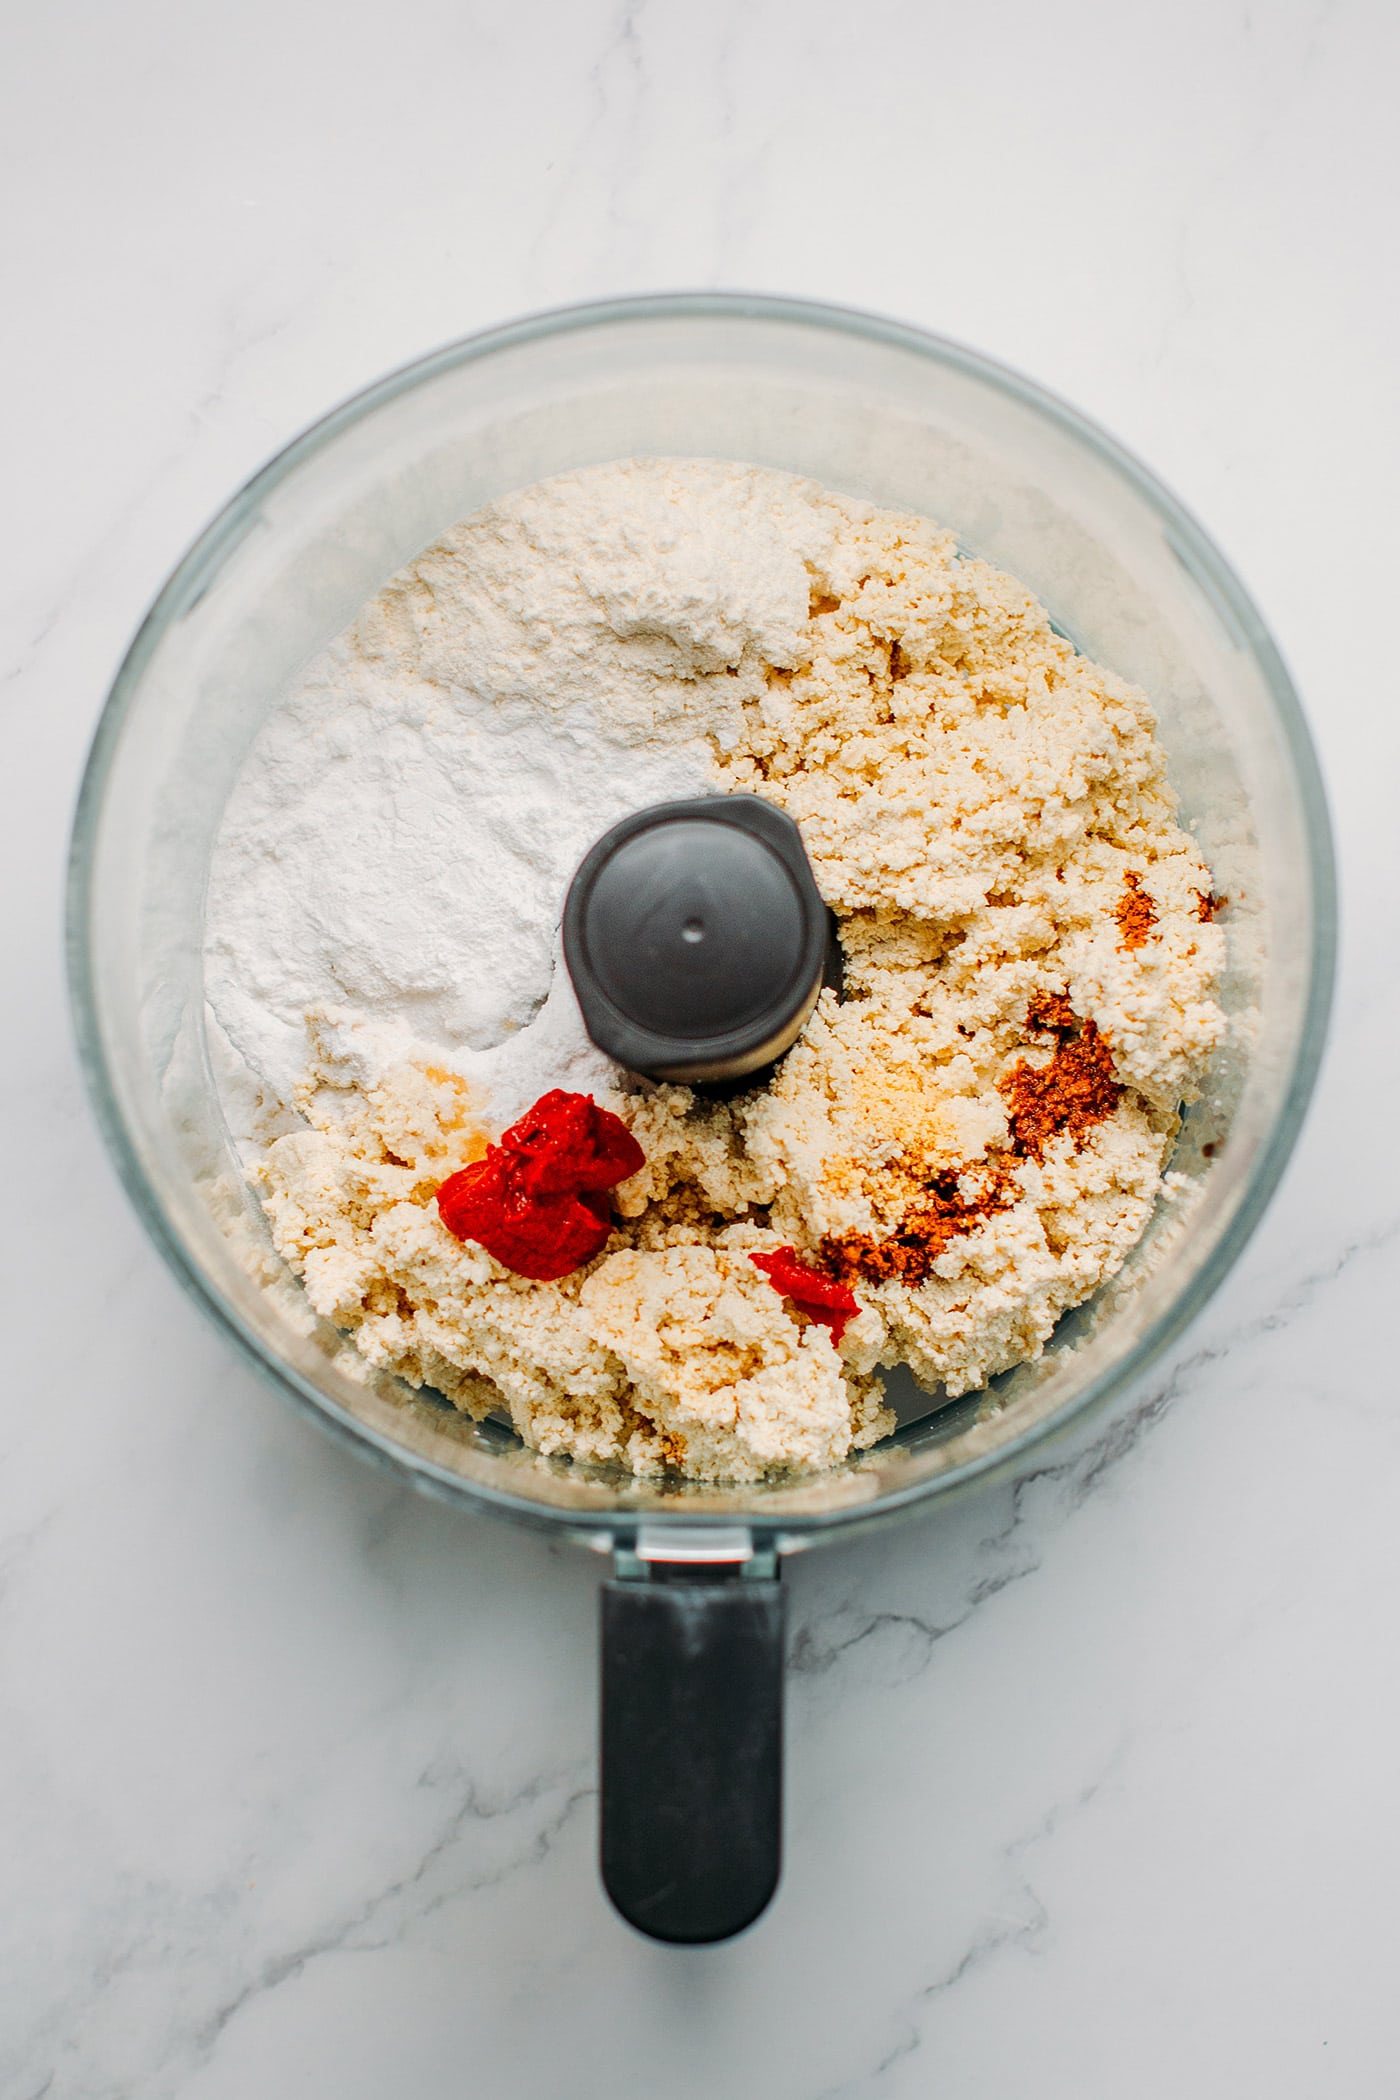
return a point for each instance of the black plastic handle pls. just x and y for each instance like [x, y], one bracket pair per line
[692, 1751]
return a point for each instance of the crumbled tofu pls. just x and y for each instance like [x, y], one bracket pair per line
[978, 802]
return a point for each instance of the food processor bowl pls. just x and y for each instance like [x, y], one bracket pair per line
[872, 409]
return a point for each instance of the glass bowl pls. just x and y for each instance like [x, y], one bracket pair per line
[867, 407]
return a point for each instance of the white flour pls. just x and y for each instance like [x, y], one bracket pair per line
[395, 853]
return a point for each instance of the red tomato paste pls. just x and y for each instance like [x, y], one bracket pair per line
[832, 1303]
[537, 1202]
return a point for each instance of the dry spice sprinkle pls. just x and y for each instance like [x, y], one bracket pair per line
[926, 1227]
[1074, 1091]
[537, 1201]
[1135, 912]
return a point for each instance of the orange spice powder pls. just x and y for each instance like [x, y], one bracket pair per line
[1135, 912]
[1073, 1092]
[927, 1226]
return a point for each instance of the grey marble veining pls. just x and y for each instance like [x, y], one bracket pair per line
[1091, 1775]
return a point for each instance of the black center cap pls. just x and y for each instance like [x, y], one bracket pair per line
[696, 938]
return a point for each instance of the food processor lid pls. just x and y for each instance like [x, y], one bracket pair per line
[696, 938]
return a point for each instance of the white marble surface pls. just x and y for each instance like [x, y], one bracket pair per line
[1092, 1784]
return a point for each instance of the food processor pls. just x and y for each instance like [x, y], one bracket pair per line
[692, 1615]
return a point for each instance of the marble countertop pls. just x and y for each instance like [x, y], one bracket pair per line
[1091, 1779]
